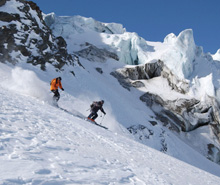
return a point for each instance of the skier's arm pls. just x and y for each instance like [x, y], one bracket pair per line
[102, 111]
[60, 85]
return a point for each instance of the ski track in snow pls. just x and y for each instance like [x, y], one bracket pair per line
[41, 144]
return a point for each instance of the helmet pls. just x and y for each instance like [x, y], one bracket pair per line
[102, 101]
[60, 78]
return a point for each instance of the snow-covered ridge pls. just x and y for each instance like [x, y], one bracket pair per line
[79, 24]
[77, 30]
[179, 53]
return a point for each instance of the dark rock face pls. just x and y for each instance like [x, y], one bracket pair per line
[145, 134]
[182, 114]
[124, 81]
[185, 114]
[6, 17]
[179, 115]
[151, 70]
[213, 153]
[2, 2]
[26, 38]
[92, 53]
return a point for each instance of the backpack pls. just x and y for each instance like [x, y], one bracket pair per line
[92, 105]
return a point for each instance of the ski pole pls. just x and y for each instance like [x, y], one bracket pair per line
[102, 119]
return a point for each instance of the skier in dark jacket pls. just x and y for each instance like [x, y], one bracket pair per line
[95, 107]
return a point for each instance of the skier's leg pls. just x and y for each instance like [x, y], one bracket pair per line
[91, 114]
[95, 116]
[56, 95]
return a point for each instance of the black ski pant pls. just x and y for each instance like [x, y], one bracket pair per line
[56, 95]
[93, 115]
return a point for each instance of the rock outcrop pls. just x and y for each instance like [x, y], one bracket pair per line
[92, 53]
[24, 37]
[179, 115]
[148, 71]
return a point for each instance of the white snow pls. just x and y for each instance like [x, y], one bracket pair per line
[41, 144]
[179, 58]
[11, 6]
[202, 87]
[216, 56]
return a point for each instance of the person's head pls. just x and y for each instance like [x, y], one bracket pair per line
[102, 101]
[59, 78]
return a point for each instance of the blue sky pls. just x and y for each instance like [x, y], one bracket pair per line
[150, 19]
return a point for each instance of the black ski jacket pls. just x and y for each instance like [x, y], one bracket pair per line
[96, 106]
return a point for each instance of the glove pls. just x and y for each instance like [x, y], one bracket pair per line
[62, 89]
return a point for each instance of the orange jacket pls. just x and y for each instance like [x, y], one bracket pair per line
[55, 83]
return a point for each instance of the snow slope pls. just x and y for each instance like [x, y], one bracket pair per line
[41, 144]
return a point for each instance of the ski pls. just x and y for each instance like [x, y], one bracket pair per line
[93, 122]
[71, 113]
[80, 116]
[100, 125]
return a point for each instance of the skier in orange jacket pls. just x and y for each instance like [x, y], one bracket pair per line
[54, 84]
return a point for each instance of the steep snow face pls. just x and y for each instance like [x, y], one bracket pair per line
[42, 144]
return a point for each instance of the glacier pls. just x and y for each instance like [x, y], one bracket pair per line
[179, 53]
